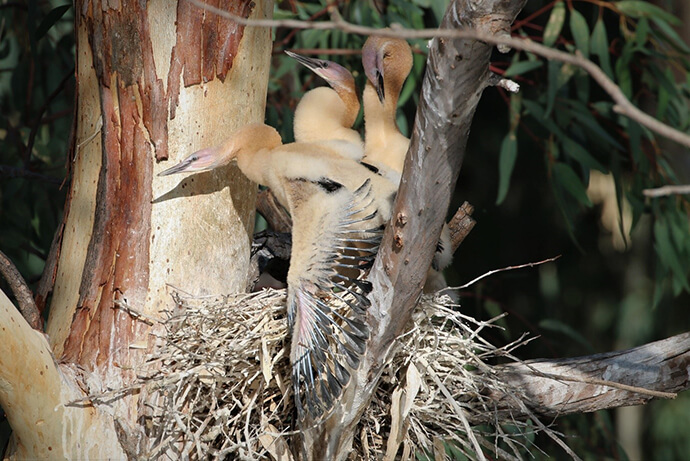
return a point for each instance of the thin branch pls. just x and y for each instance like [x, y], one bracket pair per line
[508, 268]
[37, 124]
[21, 291]
[667, 190]
[327, 51]
[18, 172]
[613, 384]
[503, 41]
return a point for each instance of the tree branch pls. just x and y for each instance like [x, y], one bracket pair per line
[667, 190]
[461, 225]
[33, 393]
[472, 32]
[595, 382]
[21, 291]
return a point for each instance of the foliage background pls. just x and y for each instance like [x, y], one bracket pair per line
[529, 162]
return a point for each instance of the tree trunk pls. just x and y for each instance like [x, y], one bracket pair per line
[155, 80]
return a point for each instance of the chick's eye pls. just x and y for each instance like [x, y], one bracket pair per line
[195, 158]
[325, 65]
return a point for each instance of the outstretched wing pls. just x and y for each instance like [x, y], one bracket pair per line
[336, 234]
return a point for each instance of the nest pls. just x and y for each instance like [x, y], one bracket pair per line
[222, 386]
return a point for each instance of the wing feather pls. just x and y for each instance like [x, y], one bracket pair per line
[335, 241]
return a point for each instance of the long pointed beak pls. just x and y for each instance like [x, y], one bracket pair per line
[203, 160]
[319, 66]
[312, 64]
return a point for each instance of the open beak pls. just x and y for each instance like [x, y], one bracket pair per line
[203, 160]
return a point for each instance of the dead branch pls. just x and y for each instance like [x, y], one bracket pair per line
[595, 382]
[667, 190]
[21, 291]
[274, 214]
[502, 269]
[461, 225]
[480, 33]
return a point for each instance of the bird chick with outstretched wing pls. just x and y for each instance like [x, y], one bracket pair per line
[338, 208]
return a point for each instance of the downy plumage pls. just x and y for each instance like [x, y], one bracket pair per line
[338, 208]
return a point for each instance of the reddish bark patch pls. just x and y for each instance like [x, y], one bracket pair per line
[117, 261]
[116, 267]
[206, 45]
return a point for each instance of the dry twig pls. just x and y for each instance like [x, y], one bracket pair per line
[667, 190]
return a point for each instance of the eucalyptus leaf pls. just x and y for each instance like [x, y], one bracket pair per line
[554, 25]
[600, 47]
[522, 67]
[642, 9]
[571, 182]
[580, 31]
[581, 155]
[671, 34]
[506, 163]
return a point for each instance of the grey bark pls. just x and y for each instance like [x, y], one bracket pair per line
[576, 385]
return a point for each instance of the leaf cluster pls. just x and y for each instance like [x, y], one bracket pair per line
[36, 100]
[578, 131]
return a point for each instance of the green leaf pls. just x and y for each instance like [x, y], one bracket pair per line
[536, 111]
[641, 9]
[671, 34]
[522, 67]
[559, 327]
[566, 210]
[580, 31]
[552, 88]
[641, 32]
[571, 182]
[51, 18]
[600, 47]
[580, 154]
[667, 252]
[554, 25]
[584, 116]
[506, 162]
[635, 142]
[623, 69]
[663, 99]
[283, 14]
